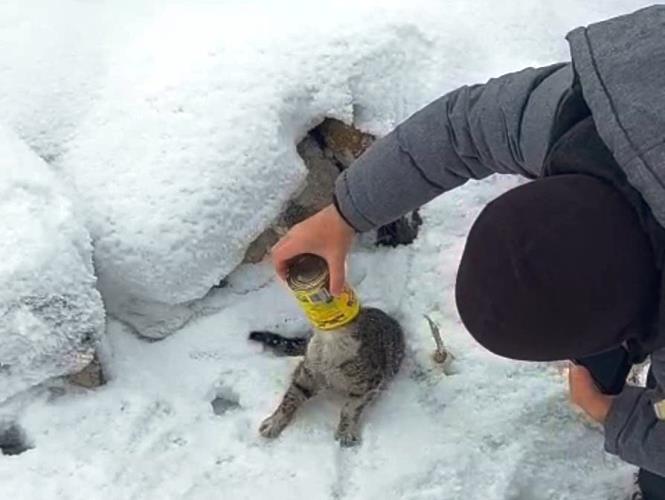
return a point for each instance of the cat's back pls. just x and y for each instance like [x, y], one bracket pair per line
[381, 339]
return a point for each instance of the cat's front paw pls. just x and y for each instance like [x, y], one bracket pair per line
[272, 426]
[347, 437]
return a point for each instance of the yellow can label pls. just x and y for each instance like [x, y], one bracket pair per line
[327, 312]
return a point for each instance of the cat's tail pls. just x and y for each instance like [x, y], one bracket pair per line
[286, 346]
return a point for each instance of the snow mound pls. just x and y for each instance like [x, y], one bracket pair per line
[51, 314]
[189, 152]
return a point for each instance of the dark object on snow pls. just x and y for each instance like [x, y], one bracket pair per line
[223, 283]
[13, 440]
[403, 231]
[279, 344]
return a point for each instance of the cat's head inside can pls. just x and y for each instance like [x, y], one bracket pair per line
[309, 278]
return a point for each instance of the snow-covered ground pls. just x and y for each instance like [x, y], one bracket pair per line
[175, 124]
[494, 429]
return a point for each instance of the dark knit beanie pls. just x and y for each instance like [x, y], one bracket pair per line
[558, 268]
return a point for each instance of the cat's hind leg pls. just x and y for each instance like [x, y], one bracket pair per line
[348, 429]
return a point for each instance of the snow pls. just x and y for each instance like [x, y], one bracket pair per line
[494, 429]
[175, 124]
[52, 315]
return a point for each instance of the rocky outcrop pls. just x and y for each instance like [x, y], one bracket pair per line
[91, 376]
[322, 170]
[344, 143]
[327, 150]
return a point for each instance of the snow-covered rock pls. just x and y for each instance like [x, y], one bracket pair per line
[190, 151]
[180, 161]
[51, 315]
[326, 151]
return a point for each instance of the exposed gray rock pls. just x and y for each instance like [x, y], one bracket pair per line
[319, 184]
[90, 377]
[342, 142]
[259, 247]
[326, 150]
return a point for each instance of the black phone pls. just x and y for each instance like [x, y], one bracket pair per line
[609, 369]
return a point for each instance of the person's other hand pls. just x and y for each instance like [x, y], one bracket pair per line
[325, 234]
[585, 394]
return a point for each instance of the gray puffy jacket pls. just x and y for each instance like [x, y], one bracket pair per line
[507, 126]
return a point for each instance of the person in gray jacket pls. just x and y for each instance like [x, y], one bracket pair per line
[568, 266]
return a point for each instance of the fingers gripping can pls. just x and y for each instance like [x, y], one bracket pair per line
[309, 280]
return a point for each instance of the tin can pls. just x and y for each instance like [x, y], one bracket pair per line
[309, 280]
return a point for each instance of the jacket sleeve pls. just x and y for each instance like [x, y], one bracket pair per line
[503, 126]
[633, 430]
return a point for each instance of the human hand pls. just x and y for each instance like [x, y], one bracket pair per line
[585, 394]
[325, 234]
